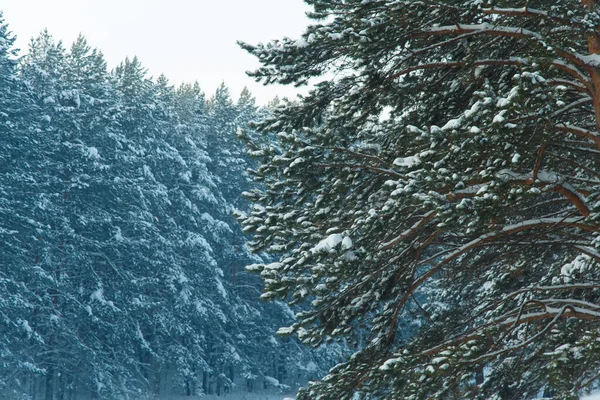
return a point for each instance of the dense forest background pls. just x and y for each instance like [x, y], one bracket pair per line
[122, 267]
[432, 202]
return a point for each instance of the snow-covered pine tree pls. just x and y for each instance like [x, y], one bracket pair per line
[436, 196]
[66, 245]
[223, 146]
[17, 297]
[121, 262]
[265, 359]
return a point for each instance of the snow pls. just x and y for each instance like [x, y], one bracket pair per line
[473, 110]
[92, 152]
[274, 265]
[285, 331]
[385, 114]
[26, 326]
[328, 244]
[182, 278]
[485, 27]
[118, 235]
[195, 239]
[507, 10]
[499, 118]
[452, 124]
[592, 60]
[289, 215]
[273, 341]
[200, 308]
[589, 251]
[347, 243]
[579, 129]
[311, 367]
[221, 288]
[297, 161]
[414, 129]
[583, 100]
[409, 161]
[548, 177]
[148, 172]
[504, 102]
[542, 221]
[482, 189]
[388, 364]
[578, 265]
[272, 380]
[241, 396]
[98, 295]
[301, 43]
[186, 176]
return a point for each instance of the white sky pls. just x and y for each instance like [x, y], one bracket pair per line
[187, 40]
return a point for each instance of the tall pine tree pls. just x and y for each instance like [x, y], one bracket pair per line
[121, 260]
[435, 198]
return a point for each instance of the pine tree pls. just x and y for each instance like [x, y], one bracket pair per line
[70, 122]
[120, 255]
[222, 139]
[435, 198]
[17, 299]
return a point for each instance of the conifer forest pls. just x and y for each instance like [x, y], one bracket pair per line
[423, 223]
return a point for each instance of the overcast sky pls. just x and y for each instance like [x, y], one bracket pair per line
[187, 40]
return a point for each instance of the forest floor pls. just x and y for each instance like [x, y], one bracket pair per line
[594, 396]
[242, 396]
[273, 396]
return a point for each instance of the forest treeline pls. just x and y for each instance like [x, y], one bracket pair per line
[121, 264]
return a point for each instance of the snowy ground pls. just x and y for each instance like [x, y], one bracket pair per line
[262, 396]
[241, 396]
[248, 396]
[271, 396]
[266, 396]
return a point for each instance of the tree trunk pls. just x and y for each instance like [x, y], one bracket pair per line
[60, 390]
[156, 381]
[594, 48]
[49, 384]
[479, 375]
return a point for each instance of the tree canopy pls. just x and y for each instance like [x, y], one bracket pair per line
[435, 199]
[120, 258]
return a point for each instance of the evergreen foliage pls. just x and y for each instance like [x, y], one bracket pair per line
[435, 199]
[120, 255]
